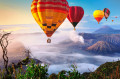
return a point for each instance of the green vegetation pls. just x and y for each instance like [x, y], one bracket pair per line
[110, 70]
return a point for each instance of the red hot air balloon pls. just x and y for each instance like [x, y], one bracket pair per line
[106, 13]
[76, 13]
[116, 17]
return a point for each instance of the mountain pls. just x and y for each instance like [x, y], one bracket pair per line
[103, 47]
[107, 30]
[108, 68]
[101, 43]
[112, 38]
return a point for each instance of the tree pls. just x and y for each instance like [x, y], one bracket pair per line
[4, 44]
[27, 52]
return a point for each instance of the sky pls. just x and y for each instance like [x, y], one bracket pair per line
[15, 15]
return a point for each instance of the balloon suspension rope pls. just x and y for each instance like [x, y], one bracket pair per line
[48, 40]
[74, 29]
[106, 19]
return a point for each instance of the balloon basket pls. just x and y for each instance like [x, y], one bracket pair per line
[48, 40]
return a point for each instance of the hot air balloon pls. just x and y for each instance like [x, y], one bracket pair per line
[49, 14]
[112, 20]
[75, 15]
[116, 17]
[106, 13]
[98, 15]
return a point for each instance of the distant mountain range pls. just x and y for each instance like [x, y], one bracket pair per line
[103, 41]
[107, 30]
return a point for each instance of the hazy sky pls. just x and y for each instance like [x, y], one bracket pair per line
[14, 12]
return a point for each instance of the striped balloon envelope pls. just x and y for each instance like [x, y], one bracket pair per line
[49, 14]
[106, 13]
[98, 15]
[76, 13]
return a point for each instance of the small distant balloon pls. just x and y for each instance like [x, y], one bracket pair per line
[98, 15]
[116, 17]
[112, 20]
[106, 13]
[76, 13]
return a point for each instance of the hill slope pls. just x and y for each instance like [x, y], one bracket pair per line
[102, 47]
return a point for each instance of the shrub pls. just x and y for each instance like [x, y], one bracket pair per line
[74, 74]
[34, 71]
[53, 76]
[62, 75]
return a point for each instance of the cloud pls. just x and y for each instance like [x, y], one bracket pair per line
[84, 21]
[21, 28]
[15, 29]
[76, 38]
[81, 67]
[87, 24]
[115, 16]
[66, 25]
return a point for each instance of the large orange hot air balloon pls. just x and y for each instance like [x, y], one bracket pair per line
[98, 15]
[75, 15]
[49, 14]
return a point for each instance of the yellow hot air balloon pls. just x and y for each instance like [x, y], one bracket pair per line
[98, 15]
[49, 14]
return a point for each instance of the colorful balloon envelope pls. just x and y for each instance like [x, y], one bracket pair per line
[116, 17]
[106, 13]
[98, 15]
[49, 14]
[76, 13]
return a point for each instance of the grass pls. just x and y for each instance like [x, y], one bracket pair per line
[110, 70]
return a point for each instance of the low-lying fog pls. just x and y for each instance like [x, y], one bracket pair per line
[63, 51]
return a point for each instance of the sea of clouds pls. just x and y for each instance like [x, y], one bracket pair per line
[59, 54]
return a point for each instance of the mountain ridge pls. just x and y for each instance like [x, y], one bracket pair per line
[106, 30]
[103, 46]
